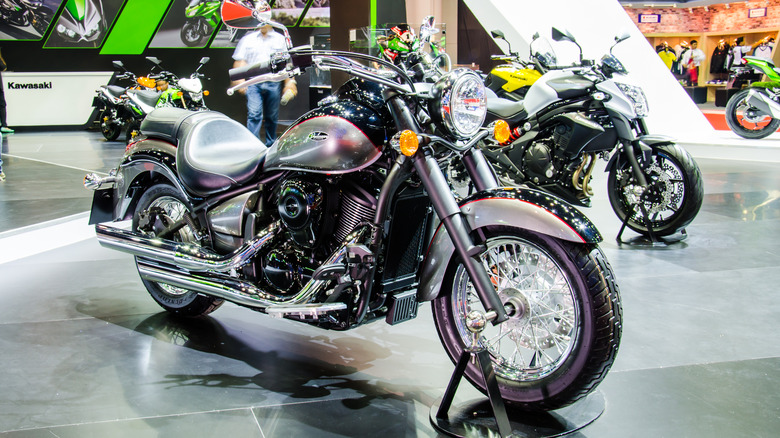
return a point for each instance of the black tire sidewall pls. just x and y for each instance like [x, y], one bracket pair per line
[190, 304]
[185, 30]
[112, 133]
[559, 388]
[693, 191]
[737, 128]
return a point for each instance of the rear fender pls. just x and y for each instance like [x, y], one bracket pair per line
[146, 162]
[523, 208]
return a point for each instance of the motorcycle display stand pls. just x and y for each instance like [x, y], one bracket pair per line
[488, 418]
[653, 240]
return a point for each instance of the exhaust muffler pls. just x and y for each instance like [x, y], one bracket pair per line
[188, 257]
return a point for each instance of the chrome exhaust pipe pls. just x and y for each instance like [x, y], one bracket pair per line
[241, 292]
[188, 257]
[94, 181]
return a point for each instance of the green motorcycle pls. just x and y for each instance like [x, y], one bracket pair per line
[202, 18]
[755, 111]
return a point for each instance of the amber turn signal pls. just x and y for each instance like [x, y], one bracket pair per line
[205, 92]
[501, 131]
[409, 143]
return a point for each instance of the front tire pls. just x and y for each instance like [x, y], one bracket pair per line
[190, 33]
[747, 121]
[170, 206]
[561, 346]
[676, 192]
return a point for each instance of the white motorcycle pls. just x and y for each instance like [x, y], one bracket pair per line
[571, 116]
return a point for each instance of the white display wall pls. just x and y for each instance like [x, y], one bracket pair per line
[51, 99]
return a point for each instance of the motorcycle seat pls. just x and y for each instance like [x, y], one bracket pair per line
[115, 90]
[214, 152]
[509, 110]
[148, 97]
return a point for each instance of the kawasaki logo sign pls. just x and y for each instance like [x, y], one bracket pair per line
[35, 86]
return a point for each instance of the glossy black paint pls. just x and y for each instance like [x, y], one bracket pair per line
[553, 204]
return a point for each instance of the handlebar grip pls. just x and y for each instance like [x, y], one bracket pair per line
[248, 71]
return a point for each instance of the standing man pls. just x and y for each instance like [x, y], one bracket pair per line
[692, 59]
[262, 100]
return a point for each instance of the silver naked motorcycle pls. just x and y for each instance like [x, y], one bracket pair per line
[348, 218]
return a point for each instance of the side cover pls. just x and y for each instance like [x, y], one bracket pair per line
[528, 209]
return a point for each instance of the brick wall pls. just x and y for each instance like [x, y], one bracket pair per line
[717, 19]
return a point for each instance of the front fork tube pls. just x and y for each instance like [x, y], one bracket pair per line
[449, 212]
[479, 170]
[639, 175]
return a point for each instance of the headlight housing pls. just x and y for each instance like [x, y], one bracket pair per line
[459, 103]
[637, 97]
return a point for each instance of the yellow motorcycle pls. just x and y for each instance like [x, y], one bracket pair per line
[513, 79]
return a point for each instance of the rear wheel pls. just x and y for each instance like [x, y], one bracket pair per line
[564, 336]
[166, 205]
[748, 121]
[109, 125]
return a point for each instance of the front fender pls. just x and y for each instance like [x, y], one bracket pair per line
[518, 207]
[645, 144]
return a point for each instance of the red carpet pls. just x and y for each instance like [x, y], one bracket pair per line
[717, 119]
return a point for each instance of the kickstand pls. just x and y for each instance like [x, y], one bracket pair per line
[486, 366]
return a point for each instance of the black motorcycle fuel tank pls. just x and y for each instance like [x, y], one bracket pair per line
[338, 137]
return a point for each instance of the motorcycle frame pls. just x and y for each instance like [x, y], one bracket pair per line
[147, 162]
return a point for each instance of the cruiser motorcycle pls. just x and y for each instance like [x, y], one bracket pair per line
[348, 218]
[755, 111]
[571, 116]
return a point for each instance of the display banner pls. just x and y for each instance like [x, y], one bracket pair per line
[757, 13]
[51, 99]
[649, 18]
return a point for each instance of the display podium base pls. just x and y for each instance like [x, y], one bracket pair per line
[475, 419]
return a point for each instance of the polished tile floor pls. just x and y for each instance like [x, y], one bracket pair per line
[84, 352]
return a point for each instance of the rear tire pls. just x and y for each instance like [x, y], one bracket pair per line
[564, 343]
[109, 126]
[176, 300]
[747, 121]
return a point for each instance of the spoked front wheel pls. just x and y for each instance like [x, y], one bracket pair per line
[746, 120]
[564, 333]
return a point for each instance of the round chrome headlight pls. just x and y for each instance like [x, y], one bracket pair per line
[459, 102]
